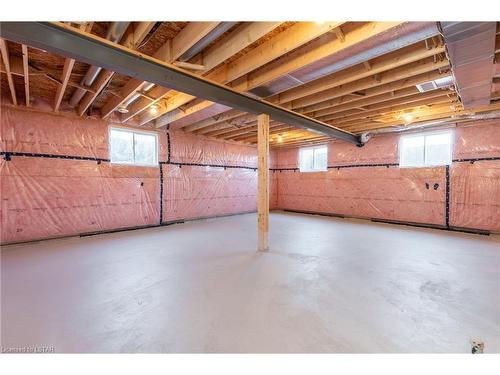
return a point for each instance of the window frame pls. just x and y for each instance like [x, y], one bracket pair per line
[425, 135]
[313, 158]
[135, 131]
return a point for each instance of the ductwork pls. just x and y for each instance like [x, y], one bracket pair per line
[389, 41]
[433, 124]
[115, 33]
[206, 40]
[471, 49]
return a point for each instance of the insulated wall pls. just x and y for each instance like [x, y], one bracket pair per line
[367, 182]
[56, 178]
[206, 178]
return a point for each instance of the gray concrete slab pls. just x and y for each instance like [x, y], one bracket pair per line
[327, 285]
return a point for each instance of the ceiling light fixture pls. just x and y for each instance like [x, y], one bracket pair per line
[280, 138]
[122, 109]
[153, 109]
[408, 118]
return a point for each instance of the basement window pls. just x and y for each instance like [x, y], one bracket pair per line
[313, 159]
[425, 150]
[133, 147]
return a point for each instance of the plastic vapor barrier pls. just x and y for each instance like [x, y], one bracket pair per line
[57, 180]
[367, 182]
[44, 198]
[475, 195]
[195, 192]
[412, 195]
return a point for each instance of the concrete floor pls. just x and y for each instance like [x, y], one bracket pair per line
[327, 285]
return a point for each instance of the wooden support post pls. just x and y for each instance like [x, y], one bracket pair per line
[263, 181]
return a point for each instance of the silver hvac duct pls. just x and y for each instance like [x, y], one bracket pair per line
[431, 124]
[115, 33]
[398, 37]
[471, 49]
[206, 40]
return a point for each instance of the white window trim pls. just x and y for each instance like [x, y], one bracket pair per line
[133, 130]
[314, 148]
[425, 134]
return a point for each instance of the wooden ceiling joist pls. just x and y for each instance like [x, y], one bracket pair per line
[26, 74]
[4, 49]
[170, 51]
[298, 58]
[95, 50]
[275, 47]
[211, 58]
[66, 73]
[220, 123]
[105, 76]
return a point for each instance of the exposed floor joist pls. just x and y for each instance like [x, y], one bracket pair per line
[73, 43]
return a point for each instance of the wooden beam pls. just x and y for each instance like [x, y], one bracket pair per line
[102, 80]
[68, 67]
[325, 45]
[340, 34]
[385, 63]
[379, 65]
[409, 70]
[26, 74]
[221, 123]
[6, 62]
[189, 66]
[277, 46]
[263, 183]
[170, 51]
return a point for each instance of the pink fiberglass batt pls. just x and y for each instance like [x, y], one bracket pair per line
[48, 133]
[43, 198]
[187, 148]
[477, 140]
[475, 195]
[194, 192]
[384, 193]
[381, 149]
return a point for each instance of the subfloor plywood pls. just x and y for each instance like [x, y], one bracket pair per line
[326, 285]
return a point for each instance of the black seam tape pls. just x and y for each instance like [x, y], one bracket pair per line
[51, 156]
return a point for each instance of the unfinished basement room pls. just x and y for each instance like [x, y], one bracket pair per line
[250, 187]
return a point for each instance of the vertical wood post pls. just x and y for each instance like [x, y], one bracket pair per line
[263, 181]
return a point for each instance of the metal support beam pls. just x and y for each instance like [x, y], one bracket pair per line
[81, 46]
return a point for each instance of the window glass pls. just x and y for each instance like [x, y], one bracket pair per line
[438, 149]
[133, 147]
[122, 146]
[320, 159]
[313, 159]
[412, 151]
[425, 149]
[145, 148]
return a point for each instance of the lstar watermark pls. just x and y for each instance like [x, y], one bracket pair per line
[29, 349]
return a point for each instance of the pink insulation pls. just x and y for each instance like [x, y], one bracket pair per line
[188, 148]
[376, 192]
[194, 192]
[475, 195]
[43, 198]
[52, 197]
[379, 150]
[400, 194]
[49, 133]
[477, 140]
